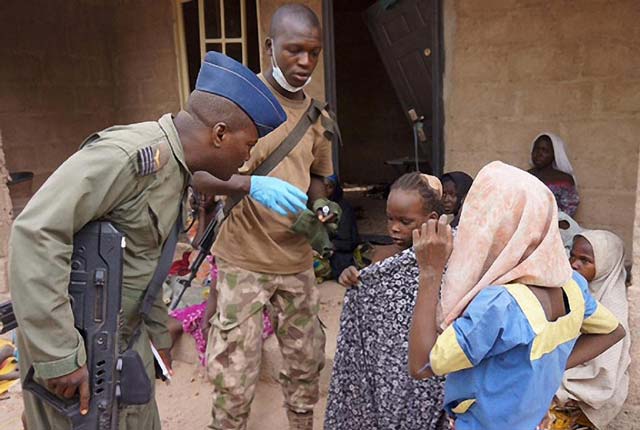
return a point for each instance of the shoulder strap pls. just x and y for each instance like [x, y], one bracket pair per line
[311, 115]
[159, 275]
[163, 267]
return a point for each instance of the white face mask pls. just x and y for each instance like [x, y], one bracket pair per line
[279, 76]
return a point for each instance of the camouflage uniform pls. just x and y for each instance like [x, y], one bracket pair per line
[264, 262]
[235, 345]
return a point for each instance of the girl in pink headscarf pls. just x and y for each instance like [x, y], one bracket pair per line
[512, 308]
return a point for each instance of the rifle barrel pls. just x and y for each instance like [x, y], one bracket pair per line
[204, 249]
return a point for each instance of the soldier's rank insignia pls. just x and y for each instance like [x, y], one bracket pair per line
[152, 158]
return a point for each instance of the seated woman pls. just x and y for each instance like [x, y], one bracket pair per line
[511, 305]
[370, 388]
[552, 166]
[455, 186]
[592, 394]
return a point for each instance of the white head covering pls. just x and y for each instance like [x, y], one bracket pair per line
[568, 234]
[601, 385]
[561, 161]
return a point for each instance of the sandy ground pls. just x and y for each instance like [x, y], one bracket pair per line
[186, 403]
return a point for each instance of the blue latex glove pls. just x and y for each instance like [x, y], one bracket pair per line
[278, 195]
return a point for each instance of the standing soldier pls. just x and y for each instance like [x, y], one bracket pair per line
[134, 176]
[261, 261]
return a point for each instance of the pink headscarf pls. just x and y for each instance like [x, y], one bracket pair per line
[508, 233]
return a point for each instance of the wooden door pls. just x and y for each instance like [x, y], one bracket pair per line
[407, 34]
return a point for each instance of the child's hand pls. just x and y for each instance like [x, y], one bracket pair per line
[349, 277]
[433, 244]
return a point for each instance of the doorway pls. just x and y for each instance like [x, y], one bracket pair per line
[388, 63]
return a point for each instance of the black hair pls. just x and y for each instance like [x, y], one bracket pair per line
[211, 109]
[415, 181]
[300, 12]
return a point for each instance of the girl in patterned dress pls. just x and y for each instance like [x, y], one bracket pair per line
[370, 386]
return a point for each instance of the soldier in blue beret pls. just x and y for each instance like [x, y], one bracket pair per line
[134, 176]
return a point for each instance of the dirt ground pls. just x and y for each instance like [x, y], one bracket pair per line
[186, 402]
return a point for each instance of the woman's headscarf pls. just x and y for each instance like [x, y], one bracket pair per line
[561, 161]
[570, 233]
[601, 385]
[508, 232]
[463, 184]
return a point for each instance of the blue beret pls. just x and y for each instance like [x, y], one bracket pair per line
[227, 78]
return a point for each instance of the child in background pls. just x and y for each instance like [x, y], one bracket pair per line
[592, 394]
[344, 240]
[370, 388]
[513, 309]
[455, 186]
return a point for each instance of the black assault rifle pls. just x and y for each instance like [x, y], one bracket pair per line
[7, 318]
[95, 292]
[204, 250]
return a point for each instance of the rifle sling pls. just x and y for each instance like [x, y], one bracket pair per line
[159, 275]
[311, 115]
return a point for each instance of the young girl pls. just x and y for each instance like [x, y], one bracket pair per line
[592, 394]
[512, 309]
[552, 166]
[370, 388]
[455, 186]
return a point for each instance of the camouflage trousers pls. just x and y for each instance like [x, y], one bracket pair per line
[234, 347]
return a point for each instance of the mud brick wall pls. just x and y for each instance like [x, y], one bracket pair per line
[144, 60]
[55, 80]
[70, 68]
[518, 67]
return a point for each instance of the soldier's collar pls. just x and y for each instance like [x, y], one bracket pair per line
[166, 124]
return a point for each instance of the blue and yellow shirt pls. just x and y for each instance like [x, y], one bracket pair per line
[505, 360]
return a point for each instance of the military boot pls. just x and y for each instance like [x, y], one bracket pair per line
[303, 421]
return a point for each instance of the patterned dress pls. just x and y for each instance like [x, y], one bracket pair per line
[566, 196]
[370, 387]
